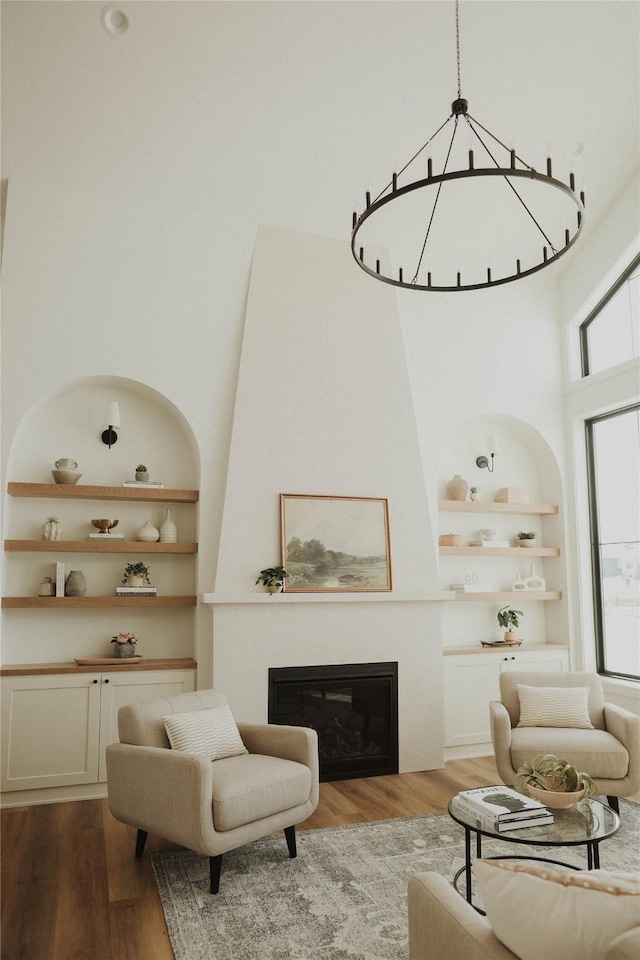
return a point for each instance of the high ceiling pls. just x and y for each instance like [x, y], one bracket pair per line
[292, 110]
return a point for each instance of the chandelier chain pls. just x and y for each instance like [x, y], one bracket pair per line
[458, 48]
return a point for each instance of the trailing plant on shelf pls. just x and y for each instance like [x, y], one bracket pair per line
[273, 578]
[137, 569]
[547, 773]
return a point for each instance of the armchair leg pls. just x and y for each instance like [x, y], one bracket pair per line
[215, 866]
[613, 803]
[290, 834]
[141, 839]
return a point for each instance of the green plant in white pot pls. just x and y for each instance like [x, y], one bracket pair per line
[553, 781]
[526, 538]
[273, 578]
[142, 473]
[136, 574]
[509, 618]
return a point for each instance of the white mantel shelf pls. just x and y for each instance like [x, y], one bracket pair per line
[285, 598]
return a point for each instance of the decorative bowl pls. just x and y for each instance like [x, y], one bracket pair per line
[66, 476]
[104, 526]
[556, 800]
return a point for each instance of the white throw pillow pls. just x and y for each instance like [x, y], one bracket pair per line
[544, 914]
[210, 732]
[554, 707]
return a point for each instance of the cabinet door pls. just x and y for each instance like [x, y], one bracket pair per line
[554, 661]
[470, 683]
[49, 731]
[119, 689]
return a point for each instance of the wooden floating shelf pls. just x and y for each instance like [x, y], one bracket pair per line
[98, 546]
[86, 492]
[520, 552]
[512, 595]
[49, 669]
[479, 506]
[77, 603]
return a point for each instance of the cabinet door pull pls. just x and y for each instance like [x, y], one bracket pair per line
[107, 680]
[94, 681]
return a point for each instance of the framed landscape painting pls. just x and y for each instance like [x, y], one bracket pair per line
[335, 544]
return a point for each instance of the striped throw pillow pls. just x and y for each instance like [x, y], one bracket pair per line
[554, 707]
[212, 733]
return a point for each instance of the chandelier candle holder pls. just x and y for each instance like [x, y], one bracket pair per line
[511, 167]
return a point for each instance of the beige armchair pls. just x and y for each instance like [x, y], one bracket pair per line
[210, 806]
[610, 753]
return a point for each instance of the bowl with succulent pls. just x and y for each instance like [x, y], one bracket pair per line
[553, 781]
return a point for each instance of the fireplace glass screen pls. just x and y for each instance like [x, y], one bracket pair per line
[353, 708]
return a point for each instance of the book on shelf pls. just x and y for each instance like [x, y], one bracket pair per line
[470, 587]
[60, 571]
[500, 803]
[489, 543]
[149, 484]
[106, 536]
[147, 591]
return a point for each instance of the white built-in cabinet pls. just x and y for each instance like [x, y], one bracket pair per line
[472, 681]
[56, 726]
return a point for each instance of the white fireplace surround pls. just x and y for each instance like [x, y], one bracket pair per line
[257, 632]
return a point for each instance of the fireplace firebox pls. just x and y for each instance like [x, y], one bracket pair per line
[354, 709]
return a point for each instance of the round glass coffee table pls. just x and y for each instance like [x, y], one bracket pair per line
[584, 825]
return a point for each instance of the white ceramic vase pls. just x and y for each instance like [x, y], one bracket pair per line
[148, 533]
[168, 531]
[51, 529]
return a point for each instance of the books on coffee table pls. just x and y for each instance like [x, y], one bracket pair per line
[500, 803]
[501, 809]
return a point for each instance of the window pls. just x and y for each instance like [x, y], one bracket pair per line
[611, 333]
[613, 452]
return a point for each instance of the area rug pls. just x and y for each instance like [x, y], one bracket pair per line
[343, 898]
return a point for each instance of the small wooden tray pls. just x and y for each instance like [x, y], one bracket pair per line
[98, 661]
[501, 643]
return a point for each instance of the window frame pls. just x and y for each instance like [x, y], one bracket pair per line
[602, 303]
[595, 545]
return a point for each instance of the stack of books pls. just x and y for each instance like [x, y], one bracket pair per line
[489, 543]
[146, 591]
[501, 809]
[149, 484]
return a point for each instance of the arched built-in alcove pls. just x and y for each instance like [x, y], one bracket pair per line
[69, 423]
[526, 461]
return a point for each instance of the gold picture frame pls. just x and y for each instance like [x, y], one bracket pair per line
[335, 544]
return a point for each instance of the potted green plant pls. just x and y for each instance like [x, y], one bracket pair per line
[508, 618]
[554, 782]
[136, 574]
[473, 493]
[142, 474]
[526, 538]
[273, 578]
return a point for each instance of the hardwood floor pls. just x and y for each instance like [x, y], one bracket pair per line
[72, 889]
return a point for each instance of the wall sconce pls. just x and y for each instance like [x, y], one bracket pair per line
[494, 451]
[111, 420]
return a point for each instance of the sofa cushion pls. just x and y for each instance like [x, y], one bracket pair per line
[212, 733]
[554, 707]
[596, 752]
[577, 913]
[254, 786]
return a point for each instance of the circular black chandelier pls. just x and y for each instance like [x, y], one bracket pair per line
[515, 169]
